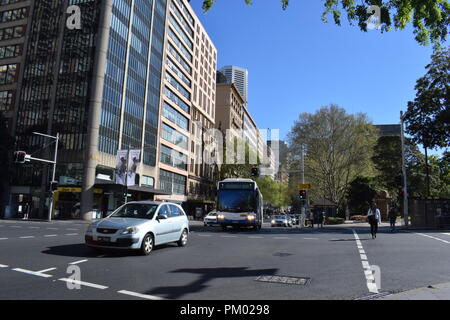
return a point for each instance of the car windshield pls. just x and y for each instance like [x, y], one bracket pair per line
[136, 210]
[212, 214]
[237, 201]
[280, 217]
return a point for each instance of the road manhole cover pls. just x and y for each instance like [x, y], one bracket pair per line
[302, 281]
[282, 254]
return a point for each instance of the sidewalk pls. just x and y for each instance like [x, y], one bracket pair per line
[20, 220]
[435, 292]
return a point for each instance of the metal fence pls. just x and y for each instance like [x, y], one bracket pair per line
[429, 213]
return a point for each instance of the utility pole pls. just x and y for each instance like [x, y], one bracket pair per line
[52, 192]
[405, 185]
[303, 176]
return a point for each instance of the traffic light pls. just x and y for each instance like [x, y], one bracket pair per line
[302, 194]
[21, 157]
[255, 172]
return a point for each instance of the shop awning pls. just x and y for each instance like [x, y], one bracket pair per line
[108, 183]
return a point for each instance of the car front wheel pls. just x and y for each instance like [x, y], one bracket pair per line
[147, 244]
[183, 239]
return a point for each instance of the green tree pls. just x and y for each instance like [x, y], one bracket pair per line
[428, 116]
[274, 193]
[360, 193]
[339, 147]
[430, 18]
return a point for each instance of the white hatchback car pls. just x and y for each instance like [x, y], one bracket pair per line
[140, 225]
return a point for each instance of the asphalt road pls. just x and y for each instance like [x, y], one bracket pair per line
[35, 257]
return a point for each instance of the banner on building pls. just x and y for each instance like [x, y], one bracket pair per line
[121, 166]
[133, 161]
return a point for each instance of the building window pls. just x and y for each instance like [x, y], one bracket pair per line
[10, 51]
[175, 99]
[12, 15]
[178, 86]
[148, 181]
[12, 33]
[175, 116]
[172, 182]
[173, 158]
[6, 100]
[8, 73]
[173, 136]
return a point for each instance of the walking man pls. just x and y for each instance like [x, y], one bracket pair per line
[392, 216]
[374, 217]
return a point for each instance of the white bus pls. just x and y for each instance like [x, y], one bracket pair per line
[239, 204]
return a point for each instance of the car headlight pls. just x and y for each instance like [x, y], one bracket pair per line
[130, 230]
[273, 221]
[251, 217]
[221, 216]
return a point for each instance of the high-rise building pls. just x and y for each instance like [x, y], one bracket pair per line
[239, 77]
[229, 109]
[136, 75]
[14, 21]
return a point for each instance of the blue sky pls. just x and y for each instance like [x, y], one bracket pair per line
[297, 63]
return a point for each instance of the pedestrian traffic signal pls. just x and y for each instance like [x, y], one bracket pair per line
[302, 194]
[255, 172]
[21, 157]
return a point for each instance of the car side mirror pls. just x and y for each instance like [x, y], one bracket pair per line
[161, 217]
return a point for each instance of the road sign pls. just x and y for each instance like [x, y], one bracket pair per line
[304, 186]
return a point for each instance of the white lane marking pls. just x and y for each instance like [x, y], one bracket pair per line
[204, 235]
[3, 266]
[52, 228]
[446, 233]
[71, 234]
[3, 238]
[50, 235]
[72, 229]
[228, 236]
[34, 227]
[255, 237]
[83, 283]
[140, 295]
[26, 237]
[79, 261]
[370, 280]
[46, 270]
[34, 273]
[431, 237]
[311, 238]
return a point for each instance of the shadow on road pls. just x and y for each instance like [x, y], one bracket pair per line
[205, 275]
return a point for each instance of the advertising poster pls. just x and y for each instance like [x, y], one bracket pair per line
[121, 166]
[133, 162]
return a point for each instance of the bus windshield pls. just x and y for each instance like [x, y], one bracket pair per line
[237, 200]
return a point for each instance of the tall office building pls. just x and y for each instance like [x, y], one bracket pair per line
[14, 20]
[238, 76]
[134, 76]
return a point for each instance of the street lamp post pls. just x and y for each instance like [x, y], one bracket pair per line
[405, 188]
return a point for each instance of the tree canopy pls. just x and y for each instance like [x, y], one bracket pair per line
[428, 116]
[430, 18]
[339, 147]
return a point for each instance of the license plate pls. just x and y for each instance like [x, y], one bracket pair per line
[104, 239]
